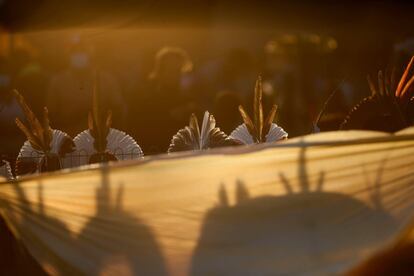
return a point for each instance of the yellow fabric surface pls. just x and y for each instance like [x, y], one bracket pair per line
[313, 205]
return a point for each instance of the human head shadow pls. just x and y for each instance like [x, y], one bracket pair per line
[116, 241]
[266, 235]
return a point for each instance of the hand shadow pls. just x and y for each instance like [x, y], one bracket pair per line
[116, 242]
[293, 233]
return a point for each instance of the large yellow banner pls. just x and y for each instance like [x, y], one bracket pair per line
[313, 205]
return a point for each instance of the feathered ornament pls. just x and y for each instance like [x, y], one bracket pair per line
[388, 108]
[192, 138]
[258, 130]
[5, 170]
[100, 143]
[45, 147]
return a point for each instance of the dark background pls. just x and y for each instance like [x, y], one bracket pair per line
[226, 41]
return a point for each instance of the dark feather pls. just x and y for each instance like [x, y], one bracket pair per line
[183, 141]
[34, 141]
[47, 131]
[219, 139]
[248, 122]
[258, 108]
[269, 121]
[258, 128]
[30, 116]
[36, 133]
[99, 124]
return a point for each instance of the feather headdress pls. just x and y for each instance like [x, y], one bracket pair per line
[258, 130]
[43, 144]
[389, 108]
[193, 138]
[101, 143]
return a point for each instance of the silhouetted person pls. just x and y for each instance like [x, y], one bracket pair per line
[10, 139]
[164, 107]
[70, 92]
[226, 111]
[238, 73]
[32, 82]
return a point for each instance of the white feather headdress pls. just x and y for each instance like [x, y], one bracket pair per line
[45, 147]
[192, 138]
[101, 143]
[258, 130]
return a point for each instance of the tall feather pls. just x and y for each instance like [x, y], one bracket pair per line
[400, 86]
[38, 134]
[46, 126]
[99, 125]
[248, 122]
[328, 100]
[407, 86]
[258, 128]
[258, 109]
[269, 121]
[34, 141]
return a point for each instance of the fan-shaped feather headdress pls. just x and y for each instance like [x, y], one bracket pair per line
[100, 142]
[193, 138]
[47, 145]
[388, 108]
[258, 130]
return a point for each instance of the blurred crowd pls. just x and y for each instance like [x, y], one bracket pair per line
[152, 100]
